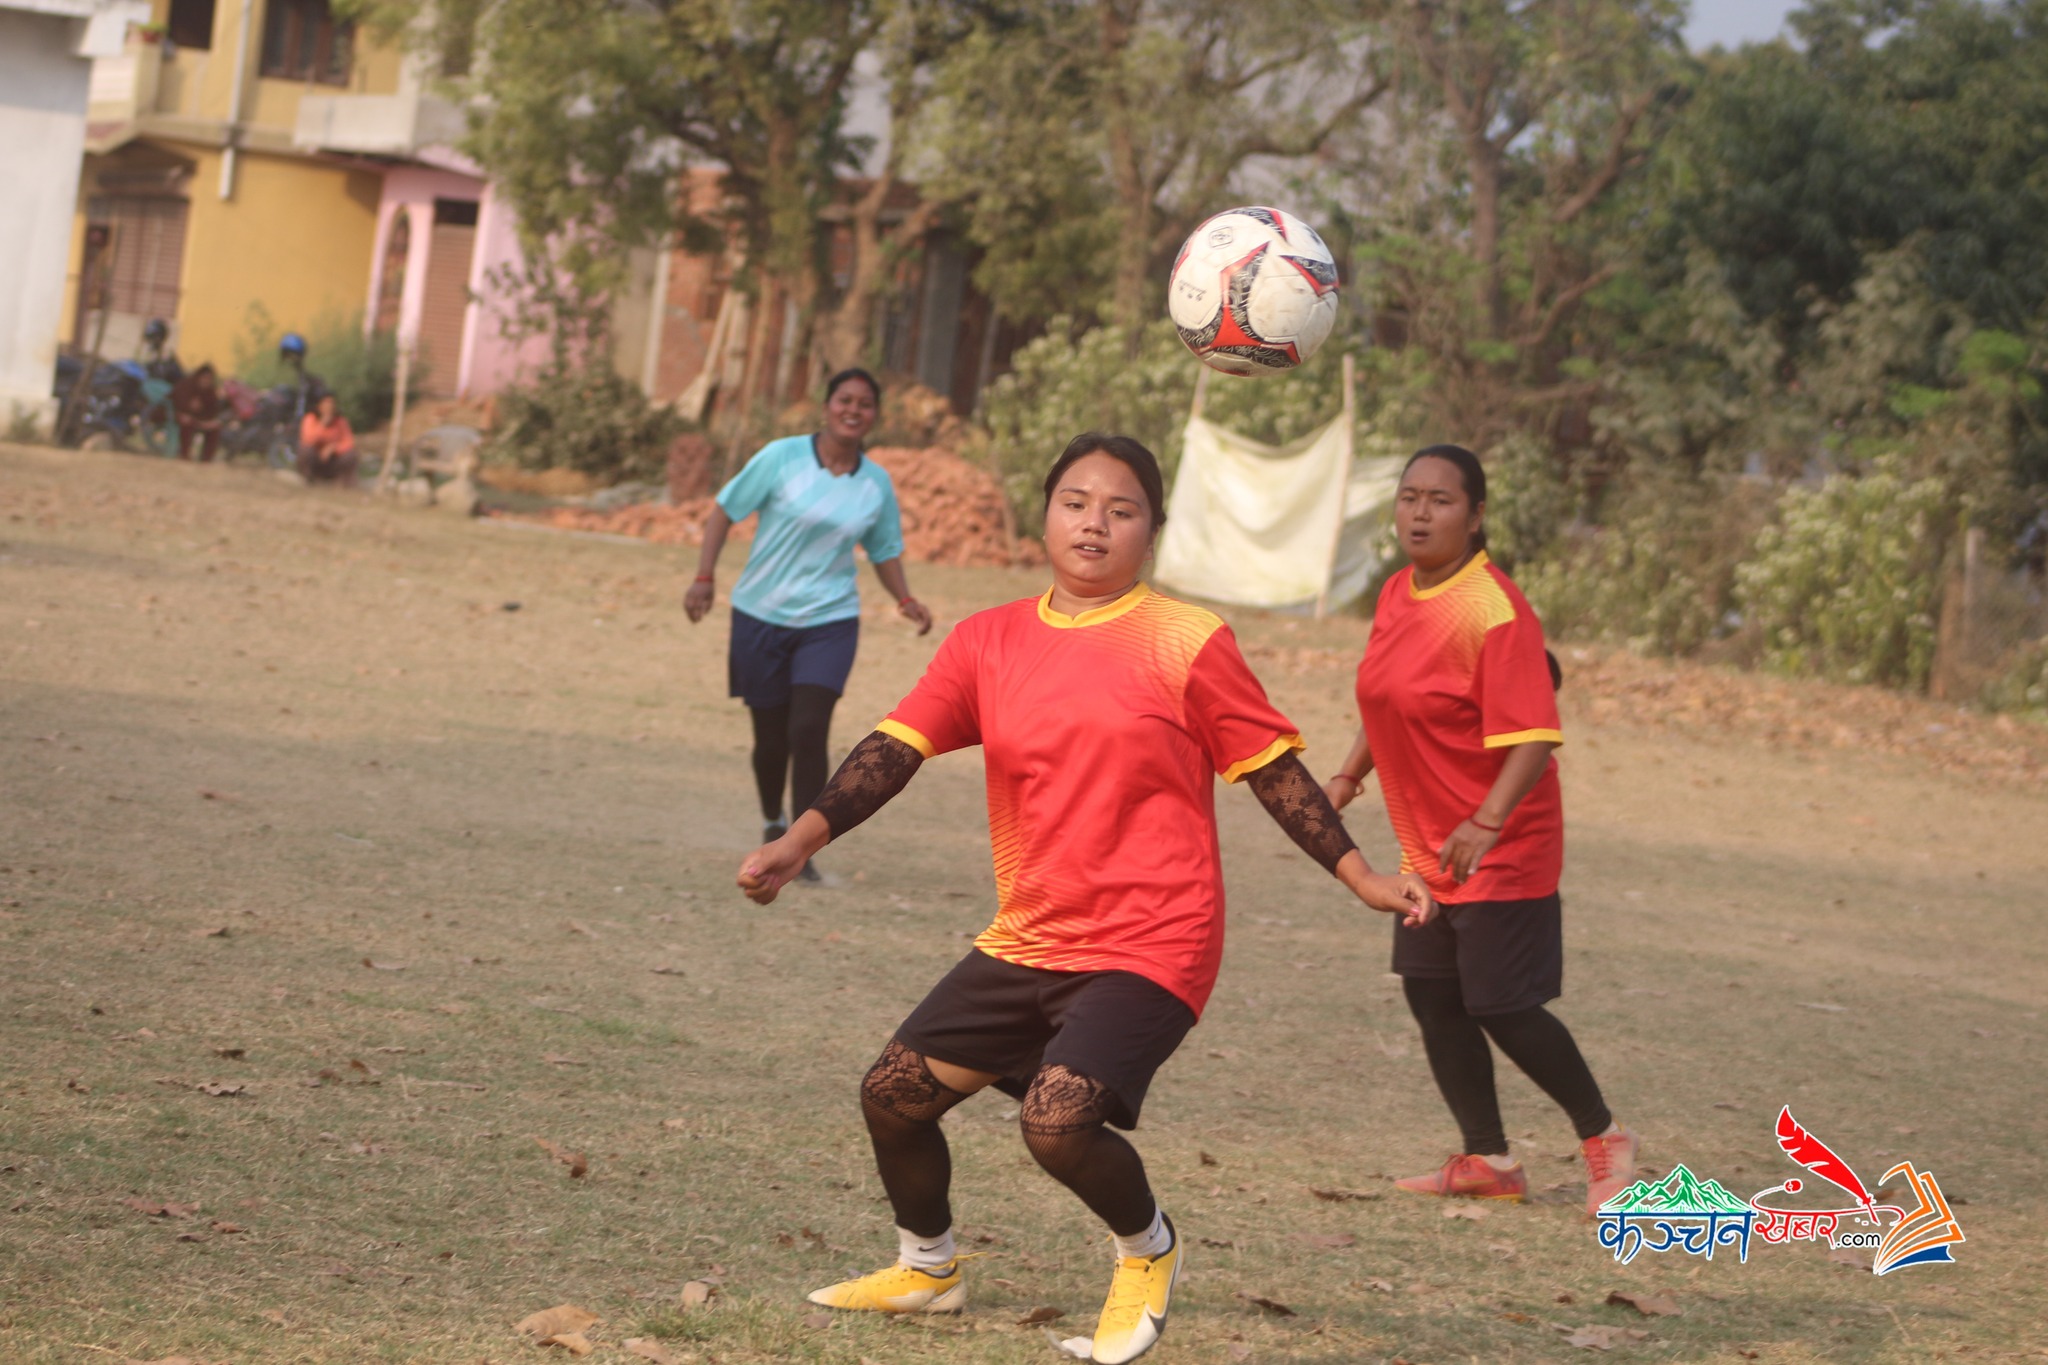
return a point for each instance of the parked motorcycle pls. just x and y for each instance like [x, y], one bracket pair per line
[125, 405]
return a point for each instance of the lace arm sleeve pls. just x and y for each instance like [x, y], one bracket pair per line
[1298, 806]
[879, 767]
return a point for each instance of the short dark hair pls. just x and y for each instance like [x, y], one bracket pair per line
[1130, 451]
[1471, 473]
[854, 372]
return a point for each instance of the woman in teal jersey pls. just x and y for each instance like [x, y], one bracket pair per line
[796, 608]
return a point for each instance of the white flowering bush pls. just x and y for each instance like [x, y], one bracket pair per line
[1846, 583]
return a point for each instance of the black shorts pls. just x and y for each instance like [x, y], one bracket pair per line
[1505, 955]
[990, 1015]
[764, 660]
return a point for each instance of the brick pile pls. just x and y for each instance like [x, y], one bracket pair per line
[952, 513]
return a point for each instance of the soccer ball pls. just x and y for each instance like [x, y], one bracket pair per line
[1253, 291]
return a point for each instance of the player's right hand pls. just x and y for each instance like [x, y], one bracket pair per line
[1403, 894]
[1340, 791]
[768, 869]
[697, 601]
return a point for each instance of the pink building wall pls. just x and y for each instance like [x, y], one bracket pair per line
[489, 361]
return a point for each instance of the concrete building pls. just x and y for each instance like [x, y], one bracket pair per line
[46, 52]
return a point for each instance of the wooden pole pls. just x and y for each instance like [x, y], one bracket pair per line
[1348, 417]
[401, 377]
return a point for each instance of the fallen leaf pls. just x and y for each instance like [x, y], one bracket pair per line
[1380, 1286]
[227, 1229]
[675, 1125]
[1240, 1351]
[557, 1059]
[697, 1293]
[1649, 1305]
[1206, 1159]
[384, 966]
[575, 1343]
[221, 1089]
[667, 971]
[577, 1163]
[1566, 1297]
[209, 794]
[233, 1054]
[1080, 1348]
[191, 1236]
[156, 1210]
[648, 1350]
[1823, 1006]
[1327, 1241]
[1336, 1196]
[221, 932]
[1271, 1306]
[453, 1007]
[1220, 1243]
[818, 1320]
[1724, 1104]
[1468, 1211]
[362, 1068]
[1044, 1313]
[564, 1317]
[578, 927]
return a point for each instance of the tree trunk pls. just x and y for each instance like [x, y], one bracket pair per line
[1135, 210]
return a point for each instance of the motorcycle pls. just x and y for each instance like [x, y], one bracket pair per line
[265, 422]
[124, 405]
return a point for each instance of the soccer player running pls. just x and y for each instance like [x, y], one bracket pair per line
[796, 609]
[1459, 707]
[1103, 711]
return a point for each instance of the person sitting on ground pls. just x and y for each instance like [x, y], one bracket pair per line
[327, 444]
[196, 403]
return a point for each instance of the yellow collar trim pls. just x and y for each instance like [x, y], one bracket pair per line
[1094, 616]
[1472, 566]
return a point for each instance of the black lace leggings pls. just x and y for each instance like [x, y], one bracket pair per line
[789, 743]
[1534, 1040]
[1064, 1121]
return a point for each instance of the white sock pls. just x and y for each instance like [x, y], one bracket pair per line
[925, 1253]
[1502, 1162]
[1153, 1241]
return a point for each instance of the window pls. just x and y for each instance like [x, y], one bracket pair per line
[455, 212]
[303, 41]
[191, 24]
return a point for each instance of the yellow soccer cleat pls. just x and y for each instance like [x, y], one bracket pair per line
[1134, 1315]
[899, 1289]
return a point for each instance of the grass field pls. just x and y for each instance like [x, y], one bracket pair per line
[296, 808]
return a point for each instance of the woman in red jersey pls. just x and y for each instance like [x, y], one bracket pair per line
[1459, 707]
[1104, 712]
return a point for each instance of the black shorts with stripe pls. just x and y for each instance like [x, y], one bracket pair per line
[1505, 955]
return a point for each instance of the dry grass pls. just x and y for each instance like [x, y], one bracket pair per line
[310, 722]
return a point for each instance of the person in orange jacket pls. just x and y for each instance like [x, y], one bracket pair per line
[327, 444]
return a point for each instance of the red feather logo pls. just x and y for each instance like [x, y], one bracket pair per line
[1816, 1156]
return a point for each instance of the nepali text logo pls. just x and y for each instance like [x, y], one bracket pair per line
[1695, 1216]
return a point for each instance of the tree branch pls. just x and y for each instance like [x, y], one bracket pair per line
[1611, 166]
[1563, 303]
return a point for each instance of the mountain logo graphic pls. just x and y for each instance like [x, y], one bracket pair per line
[1680, 1192]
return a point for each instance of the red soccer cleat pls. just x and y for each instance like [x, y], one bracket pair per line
[1610, 1167]
[1469, 1177]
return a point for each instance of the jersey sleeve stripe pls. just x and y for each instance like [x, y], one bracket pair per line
[896, 729]
[1524, 737]
[1285, 744]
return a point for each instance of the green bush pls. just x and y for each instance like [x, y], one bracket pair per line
[1846, 583]
[2022, 685]
[358, 368]
[1659, 576]
[589, 418]
[1529, 501]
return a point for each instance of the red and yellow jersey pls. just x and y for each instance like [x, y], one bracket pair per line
[1452, 676]
[1101, 734]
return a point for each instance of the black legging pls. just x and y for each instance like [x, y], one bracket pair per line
[1534, 1040]
[789, 742]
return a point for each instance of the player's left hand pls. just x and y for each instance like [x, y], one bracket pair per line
[769, 868]
[1462, 852]
[917, 611]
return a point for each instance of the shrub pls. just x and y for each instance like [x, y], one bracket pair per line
[1659, 577]
[587, 418]
[357, 368]
[1846, 583]
[2022, 685]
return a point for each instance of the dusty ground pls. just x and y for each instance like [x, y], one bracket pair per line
[294, 805]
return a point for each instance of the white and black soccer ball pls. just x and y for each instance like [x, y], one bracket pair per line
[1253, 291]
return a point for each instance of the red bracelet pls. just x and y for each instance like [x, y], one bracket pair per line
[1490, 829]
[704, 578]
[905, 601]
[1354, 781]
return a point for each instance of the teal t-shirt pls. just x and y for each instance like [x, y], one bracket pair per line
[801, 570]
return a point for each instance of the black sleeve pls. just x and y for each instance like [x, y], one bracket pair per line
[1298, 806]
[879, 767]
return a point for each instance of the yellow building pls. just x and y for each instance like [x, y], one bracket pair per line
[211, 188]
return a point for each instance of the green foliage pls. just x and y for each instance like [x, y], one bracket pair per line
[1846, 583]
[1658, 574]
[2022, 685]
[1530, 503]
[586, 418]
[359, 368]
